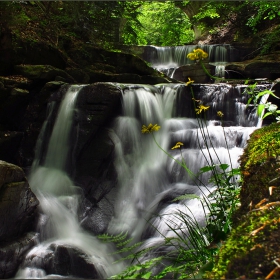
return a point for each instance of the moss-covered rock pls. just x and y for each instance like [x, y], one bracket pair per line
[18, 204]
[252, 247]
[253, 244]
[42, 73]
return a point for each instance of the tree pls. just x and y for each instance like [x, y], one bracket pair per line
[162, 24]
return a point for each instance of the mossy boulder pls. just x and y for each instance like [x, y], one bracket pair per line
[253, 244]
[42, 73]
[251, 248]
[18, 204]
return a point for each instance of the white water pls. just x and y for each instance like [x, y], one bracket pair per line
[168, 59]
[146, 175]
[59, 200]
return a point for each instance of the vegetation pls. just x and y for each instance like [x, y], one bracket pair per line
[162, 23]
[107, 24]
[252, 249]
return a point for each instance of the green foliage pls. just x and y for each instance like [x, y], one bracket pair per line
[263, 10]
[269, 41]
[222, 202]
[256, 95]
[162, 24]
[263, 144]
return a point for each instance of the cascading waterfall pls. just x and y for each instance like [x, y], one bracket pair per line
[58, 224]
[147, 179]
[147, 176]
[168, 59]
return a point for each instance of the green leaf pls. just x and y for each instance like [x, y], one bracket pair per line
[206, 169]
[260, 109]
[224, 166]
[147, 275]
[266, 114]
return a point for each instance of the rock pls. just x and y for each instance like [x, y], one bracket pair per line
[195, 72]
[97, 105]
[18, 204]
[131, 78]
[263, 66]
[33, 120]
[15, 50]
[13, 253]
[42, 73]
[96, 208]
[19, 91]
[16, 81]
[79, 75]
[62, 259]
[9, 145]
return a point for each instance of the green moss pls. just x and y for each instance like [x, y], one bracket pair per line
[251, 247]
[264, 143]
[253, 244]
[259, 167]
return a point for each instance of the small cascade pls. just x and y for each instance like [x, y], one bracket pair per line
[148, 179]
[59, 228]
[168, 59]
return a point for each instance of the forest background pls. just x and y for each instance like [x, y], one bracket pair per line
[111, 24]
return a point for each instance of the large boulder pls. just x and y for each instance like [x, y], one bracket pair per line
[195, 72]
[97, 105]
[15, 50]
[42, 73]
[263, 66]
[13, 253]
[18, 204]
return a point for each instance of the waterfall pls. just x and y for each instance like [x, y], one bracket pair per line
[58, 224]
[147, 176]
[148, 180]
[168, 59]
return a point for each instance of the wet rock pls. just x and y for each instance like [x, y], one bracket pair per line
[63, 260]
[18, 204]
[97, 105]
[12, 254]
[194, 71]
[96, 208]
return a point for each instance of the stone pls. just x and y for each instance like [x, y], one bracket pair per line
[262, 66]
[13, 253]
[63, 260]
[18, 204]
[19, 91]
[43, 73]
[195, 72]
[9, 145]
[15, 81]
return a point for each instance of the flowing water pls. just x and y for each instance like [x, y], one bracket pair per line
[168, 59]
[148, 179]
[58, 224]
